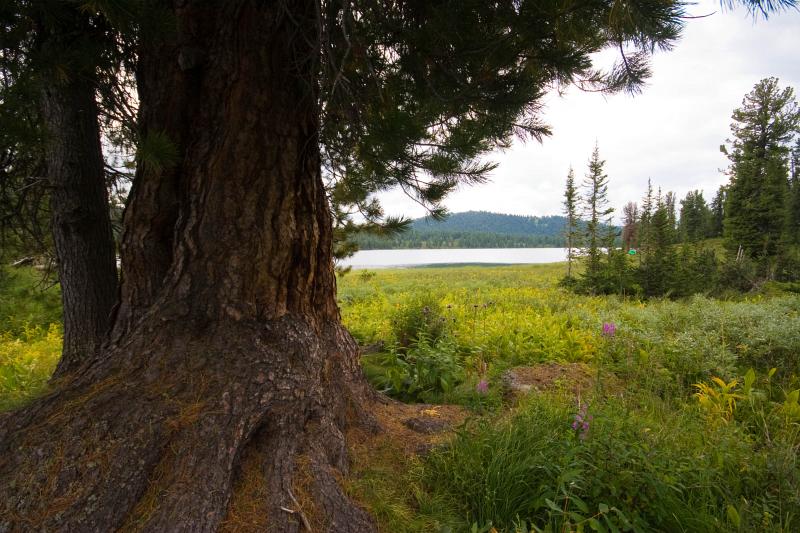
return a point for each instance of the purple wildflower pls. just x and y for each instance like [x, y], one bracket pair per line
[582, 420]
[482, 387]
[609, 329]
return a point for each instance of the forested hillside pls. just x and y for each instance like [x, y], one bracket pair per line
[474, 229]
[486, 222]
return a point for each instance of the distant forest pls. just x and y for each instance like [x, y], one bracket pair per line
[474, 229]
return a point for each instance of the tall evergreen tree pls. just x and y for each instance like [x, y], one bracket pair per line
[599, 233]
[670, 204]
[717, 213]
[658, 262]
[695, 216]
[648, 206]
[762, 130]
[572, 232]
[793, 203]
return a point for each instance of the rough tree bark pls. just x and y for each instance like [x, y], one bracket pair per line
[234, 342]
[80, 221]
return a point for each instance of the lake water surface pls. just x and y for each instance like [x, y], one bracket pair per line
[410, 258]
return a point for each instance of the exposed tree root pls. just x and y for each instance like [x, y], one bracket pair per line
[156, 436]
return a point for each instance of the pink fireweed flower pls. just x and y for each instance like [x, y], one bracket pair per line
[582, 420]
[609, 329]
[482, 387]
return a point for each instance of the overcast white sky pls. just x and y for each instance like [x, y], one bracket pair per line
[670, 133]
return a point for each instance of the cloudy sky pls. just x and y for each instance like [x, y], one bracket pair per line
[670, 133]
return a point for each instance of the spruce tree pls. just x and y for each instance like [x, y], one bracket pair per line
[762, 130]
[599, 233]
[572, 233]
[695, 217]
[659, 262]
[648, 206]
[717, 213]
[670, 202]
[793, 203]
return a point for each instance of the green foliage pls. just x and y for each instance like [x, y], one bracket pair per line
[696, 271]
[787, 265]
[763, 131]
[597, 232]
[49, 44]
[717, 213]
[27, 360]
[27, 300]
[454, 239]
[471, 229]
[424, 371]
[652, 459]
[395, 115]
[30, 335]
[695, 217]
[640, 468]
[156, 152]
[718, 398]
[661, 345]
[572, 233]
[658, 262]
[793, 200]
[482, 221]
[419, 317]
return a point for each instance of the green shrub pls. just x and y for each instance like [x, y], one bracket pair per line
[420, 316]
[424, 371]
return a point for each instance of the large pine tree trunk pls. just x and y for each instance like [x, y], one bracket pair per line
[80, 223]
[231, 345]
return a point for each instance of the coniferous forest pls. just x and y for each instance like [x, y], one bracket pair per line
[671, 246]
[472, 229]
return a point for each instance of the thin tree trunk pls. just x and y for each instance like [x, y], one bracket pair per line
[167, 94]
[235, 348]
[79, 205]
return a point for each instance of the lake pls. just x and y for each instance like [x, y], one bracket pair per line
[454, 256]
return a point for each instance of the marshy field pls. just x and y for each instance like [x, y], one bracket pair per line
[540, 409]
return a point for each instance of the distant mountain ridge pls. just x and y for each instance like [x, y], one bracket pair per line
[488, 222]
[474, 229]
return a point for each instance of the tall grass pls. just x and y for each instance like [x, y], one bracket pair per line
[653, 460]
[636, 470]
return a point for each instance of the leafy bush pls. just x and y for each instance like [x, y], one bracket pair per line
[423, 371]
[738, 276]
[421, 316]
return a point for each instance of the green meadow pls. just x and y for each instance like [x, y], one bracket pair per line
[684, 414]
[691, 418]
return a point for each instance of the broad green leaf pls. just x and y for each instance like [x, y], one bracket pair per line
[596, 525]
[733, 516]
